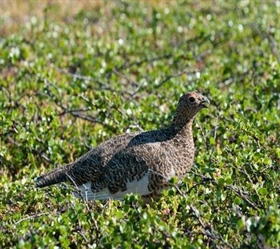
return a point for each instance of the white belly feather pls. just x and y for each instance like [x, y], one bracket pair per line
[137, 187]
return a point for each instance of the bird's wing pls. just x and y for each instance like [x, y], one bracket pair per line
[138, 169]
[88, 167]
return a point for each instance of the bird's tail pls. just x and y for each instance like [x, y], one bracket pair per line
[53, 177]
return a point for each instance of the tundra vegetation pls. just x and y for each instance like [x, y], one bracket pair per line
[75, 73]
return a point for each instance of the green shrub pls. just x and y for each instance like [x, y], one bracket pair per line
[70, 80]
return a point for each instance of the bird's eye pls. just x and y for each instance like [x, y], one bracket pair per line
[191, 99]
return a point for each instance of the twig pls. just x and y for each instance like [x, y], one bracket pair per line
[30, 217]
[239, 192]
[208, 230]
[168, 77]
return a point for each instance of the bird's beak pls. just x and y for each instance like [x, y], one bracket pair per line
[204, 103]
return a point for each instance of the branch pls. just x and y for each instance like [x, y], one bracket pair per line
[30, 217]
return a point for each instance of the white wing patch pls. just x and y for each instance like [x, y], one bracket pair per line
[85, 193]
[137, 187]
[171, 174]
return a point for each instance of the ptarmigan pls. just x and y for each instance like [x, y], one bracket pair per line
[140, 163]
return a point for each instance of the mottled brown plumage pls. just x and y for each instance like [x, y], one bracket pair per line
[140, 163]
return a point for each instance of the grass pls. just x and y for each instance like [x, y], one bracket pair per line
[74, 74]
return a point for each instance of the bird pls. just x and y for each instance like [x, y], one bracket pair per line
[141, 163]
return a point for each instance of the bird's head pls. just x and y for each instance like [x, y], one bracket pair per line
[189, 105]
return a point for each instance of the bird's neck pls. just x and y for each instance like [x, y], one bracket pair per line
[182, 126]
